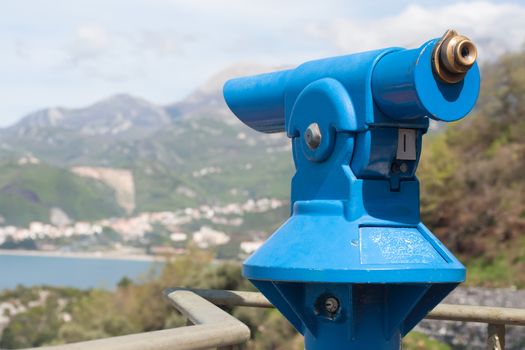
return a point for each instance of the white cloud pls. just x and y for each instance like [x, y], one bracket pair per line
[162, 43]
[92, 41]
[89, 41]
[57, 52]
[495, 27]
[93, 36]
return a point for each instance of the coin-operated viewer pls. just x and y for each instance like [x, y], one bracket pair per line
[353, 267]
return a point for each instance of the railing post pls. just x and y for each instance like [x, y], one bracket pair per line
[496, 337]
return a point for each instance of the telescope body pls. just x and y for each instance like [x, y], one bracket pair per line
[391, 84]
[353, 267]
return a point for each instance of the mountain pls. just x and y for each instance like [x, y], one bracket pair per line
[116, 115]
[64, 136]
[188, 153]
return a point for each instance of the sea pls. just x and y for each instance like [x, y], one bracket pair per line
[77, 272]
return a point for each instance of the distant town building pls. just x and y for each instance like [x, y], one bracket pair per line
[207, 237]
[178, 237]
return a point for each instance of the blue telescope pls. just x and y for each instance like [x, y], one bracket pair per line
[353, 267]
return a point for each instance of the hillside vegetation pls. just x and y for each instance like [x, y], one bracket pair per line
[29, 192]
[202, 156]
[473, 179]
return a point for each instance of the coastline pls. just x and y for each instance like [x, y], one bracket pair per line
[111, 255]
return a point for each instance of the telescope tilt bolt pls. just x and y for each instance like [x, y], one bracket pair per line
[353, 267]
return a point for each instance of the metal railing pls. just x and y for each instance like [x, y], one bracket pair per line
[214, 328]
[496, 318]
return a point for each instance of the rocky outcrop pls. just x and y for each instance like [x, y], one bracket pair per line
[120, 180]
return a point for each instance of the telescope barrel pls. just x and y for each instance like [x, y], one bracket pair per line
[258, 101]
[439, 80]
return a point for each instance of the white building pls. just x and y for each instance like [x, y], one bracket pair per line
[207, 237]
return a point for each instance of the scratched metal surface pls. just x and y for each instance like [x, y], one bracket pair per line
[391, 245]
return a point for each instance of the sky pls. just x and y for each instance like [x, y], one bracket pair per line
[72, 53]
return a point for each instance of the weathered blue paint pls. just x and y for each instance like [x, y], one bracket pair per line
[355, 232]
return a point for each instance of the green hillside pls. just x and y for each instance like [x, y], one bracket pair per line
[243, 170]
[28, 193]
[473, 179]
[205, 156]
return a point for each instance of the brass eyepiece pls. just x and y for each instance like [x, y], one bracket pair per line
[453, 56]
